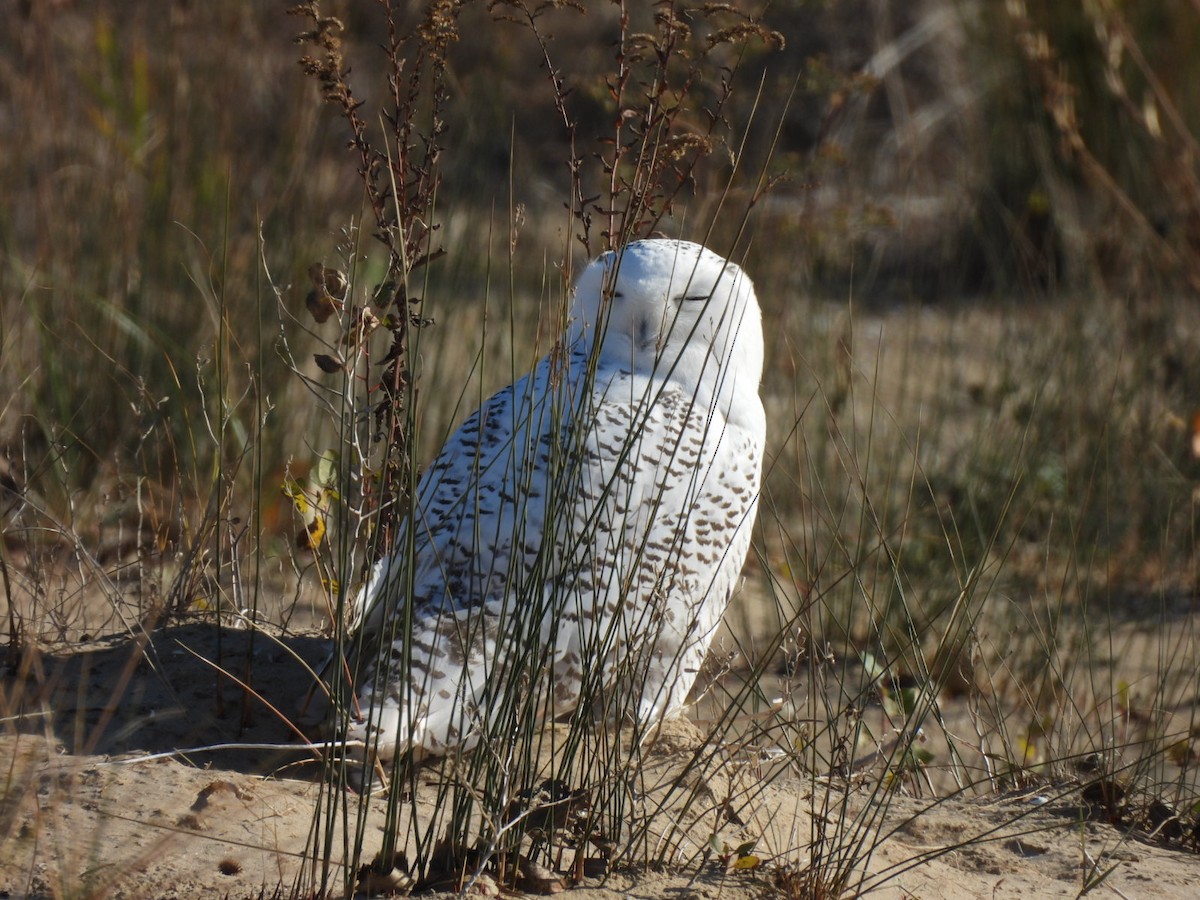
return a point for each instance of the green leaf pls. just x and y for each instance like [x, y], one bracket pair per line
[745, 849]
[291, 489]
[922, 756]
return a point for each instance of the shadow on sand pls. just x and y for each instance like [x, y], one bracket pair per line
[174, 689]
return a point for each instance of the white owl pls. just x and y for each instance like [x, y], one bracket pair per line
[581, 533]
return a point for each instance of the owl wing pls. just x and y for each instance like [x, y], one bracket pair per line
[427, 620]
[550, 535]
[660, 527]
[463, 529]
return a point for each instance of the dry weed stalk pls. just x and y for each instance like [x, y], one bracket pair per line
[1174, 150]
[666, 98]
[667, 93]
[400, 178]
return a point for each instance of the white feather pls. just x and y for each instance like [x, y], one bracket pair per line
[583, 530]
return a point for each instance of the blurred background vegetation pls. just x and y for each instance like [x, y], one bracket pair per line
[1024, 171]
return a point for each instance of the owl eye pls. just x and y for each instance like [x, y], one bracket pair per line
[697, 298]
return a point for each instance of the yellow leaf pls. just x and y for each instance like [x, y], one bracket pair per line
[1028, 749]
[312, 535]
[750, 861]
[295, 493]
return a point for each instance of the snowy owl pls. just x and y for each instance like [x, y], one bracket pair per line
[579, 536]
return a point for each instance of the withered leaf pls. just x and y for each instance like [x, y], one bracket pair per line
[320, 305]
[327, 363]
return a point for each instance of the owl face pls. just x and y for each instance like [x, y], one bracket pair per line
[672, 309]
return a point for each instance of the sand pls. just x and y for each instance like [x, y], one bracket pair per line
[96, 802]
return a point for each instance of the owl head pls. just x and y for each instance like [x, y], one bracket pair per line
[673, 310]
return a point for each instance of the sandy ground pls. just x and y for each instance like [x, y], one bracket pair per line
[86, 811]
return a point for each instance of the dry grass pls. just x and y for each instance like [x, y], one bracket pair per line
[976, 562]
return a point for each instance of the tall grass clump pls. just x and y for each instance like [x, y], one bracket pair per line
[525, 800]
[133, 378]
[1008, 526]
